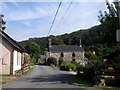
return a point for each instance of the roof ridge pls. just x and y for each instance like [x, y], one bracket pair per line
[66, 48]
[9, 39]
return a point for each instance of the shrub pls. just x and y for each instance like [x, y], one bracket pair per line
[79, 68]
[113, 81]
[89, 73]
[33, 60]
[60, 61]
[117, 80]
[67, 66]
[110, 82]
[52, 61]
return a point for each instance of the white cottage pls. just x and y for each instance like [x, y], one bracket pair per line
[10, 54]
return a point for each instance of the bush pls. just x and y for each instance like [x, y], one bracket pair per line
[33, 60]
[79, 68]
[52, 61]
[110, 82]
[113, 81]
[60, 61]
[117, 80]
[89, 73]
[67, 66]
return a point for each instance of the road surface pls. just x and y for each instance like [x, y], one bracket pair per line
[44, 77]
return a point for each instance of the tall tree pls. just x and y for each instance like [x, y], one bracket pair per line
[33, 49]
[110, 21]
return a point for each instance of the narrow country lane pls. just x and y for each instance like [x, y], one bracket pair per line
[44, 77]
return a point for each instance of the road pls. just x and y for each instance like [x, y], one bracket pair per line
[44, 77]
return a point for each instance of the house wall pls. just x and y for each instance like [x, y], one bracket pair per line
[16, 61]
[6, 57]
[79, 56]
[0, 54]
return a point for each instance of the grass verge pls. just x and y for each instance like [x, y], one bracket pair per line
[80, 82]
[7, 78]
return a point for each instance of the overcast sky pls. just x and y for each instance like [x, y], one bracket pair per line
[33, 19]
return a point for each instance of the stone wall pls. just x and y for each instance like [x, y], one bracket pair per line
[67, 56]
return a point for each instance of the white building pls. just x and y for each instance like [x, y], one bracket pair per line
[10, 54]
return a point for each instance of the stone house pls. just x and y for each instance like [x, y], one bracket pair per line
[69, 53]
[11, 54]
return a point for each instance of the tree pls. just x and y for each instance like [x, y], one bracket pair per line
[2, 22]
[33, 49]
[110, 21]
[56, 41]
[90, 55]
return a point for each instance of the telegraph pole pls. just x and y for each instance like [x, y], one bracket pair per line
[118, 31]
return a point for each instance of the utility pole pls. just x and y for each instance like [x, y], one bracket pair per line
[119, 13]
[118, 31]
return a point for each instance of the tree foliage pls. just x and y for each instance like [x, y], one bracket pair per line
[52, 61]
[2, 22]
[110, 21]
[33, 49]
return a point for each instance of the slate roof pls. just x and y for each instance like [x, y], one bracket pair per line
[66, 48]
[12, 42]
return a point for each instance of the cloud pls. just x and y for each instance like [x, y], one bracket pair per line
[22, 12]
[27, 23]
[34, 19]
[25, 14]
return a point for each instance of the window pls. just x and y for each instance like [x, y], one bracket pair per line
[61, 55]
[18, 58]
[73, 57]
[73, 54]
[5, 59]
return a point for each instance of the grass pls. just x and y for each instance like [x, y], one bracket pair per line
[80, 82]
[107, 87]
[6, 78]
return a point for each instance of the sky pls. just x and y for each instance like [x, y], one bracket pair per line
[26, 20]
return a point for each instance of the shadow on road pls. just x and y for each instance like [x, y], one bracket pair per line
[52, 79]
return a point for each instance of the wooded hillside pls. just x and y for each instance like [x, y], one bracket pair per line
[89, 36]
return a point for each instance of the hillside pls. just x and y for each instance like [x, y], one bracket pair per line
[89, 36]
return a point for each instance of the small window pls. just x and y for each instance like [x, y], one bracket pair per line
[73, 57]
[4, 61]
[61, 55]
[18, 58]
[73, 54]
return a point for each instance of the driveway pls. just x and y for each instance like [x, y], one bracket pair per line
[44, 77]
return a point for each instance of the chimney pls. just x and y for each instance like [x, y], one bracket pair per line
[50, 44]
[80, 43]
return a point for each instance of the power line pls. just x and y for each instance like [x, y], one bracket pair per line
[65, 14]
[54, 18]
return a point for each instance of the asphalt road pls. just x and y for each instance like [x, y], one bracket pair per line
[44, 77]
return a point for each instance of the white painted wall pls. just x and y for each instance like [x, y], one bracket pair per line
[6, 57]
[0, 54]
[16, 61]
